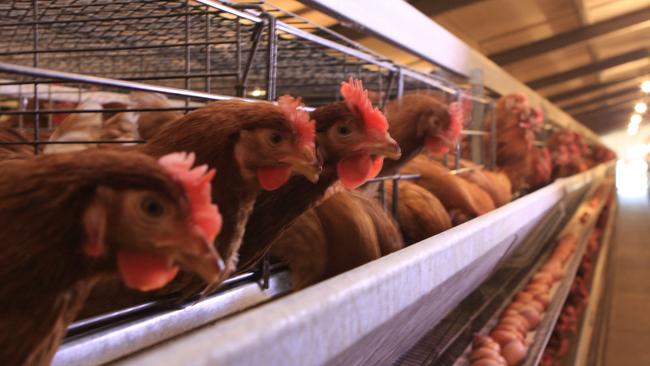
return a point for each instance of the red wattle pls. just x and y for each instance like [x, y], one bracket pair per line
[144, 272]
[354, 171]
[436, 145]
[273, 178]
[377, 164]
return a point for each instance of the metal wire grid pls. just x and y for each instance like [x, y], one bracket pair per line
[178, 44]
[196, 51]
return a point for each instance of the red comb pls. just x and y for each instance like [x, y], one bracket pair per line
[305, 127]
[196, 182]
[356, 98]
[456, 124]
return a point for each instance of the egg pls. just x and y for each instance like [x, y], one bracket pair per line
[523, 296]
[531, 314]
[515, 305]
[537, 305]
[543, 299]
[516, 319]
[503, 337]
[486, 362]
[512, 328]
[481, 340]
[483, 352]
[519, 324]
[514, 352]
[543, 277]
[509, 312]
[536, 288]
[555, 268]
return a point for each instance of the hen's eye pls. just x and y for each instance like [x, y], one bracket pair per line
[152, 207]
[275, 138]
[344, 130]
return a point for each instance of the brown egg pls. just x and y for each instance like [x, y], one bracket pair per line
[514, 352]
[516, 305]
[517, 318]
[486, 362]
[524, 296]
[538, 288]
[520, 325]
[532, 315]
[503, 337]
[543, 277]
[509, 312]
[555, 268]
[483, 352]
[481, 340]
[537, 305]
[543, 299]
[512, 328]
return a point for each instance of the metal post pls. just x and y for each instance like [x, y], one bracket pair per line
[400, 82]
[37, 116]
[22, 103]
[271, 59]
[382, 194]
[238, 92]
[476, 141]
[257, 35]
[493, 136]
[208, 52]
[384, 100]
[395, 206]
[50, 125]
[188, 67]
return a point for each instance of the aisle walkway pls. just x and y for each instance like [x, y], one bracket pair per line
[628, 338]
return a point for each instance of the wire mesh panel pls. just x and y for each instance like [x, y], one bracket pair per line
[64, 58]
[170, 43]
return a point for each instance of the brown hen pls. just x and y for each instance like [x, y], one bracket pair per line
[251, 146]
[352, 142]
[70, 220]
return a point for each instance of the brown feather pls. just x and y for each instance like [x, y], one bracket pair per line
[42, 265]
[298, 195]
[19, 151]
[454, 192]
[420, 213]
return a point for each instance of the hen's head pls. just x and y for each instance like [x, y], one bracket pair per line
[443, 131]
[354, 136]
[161, 218]
[283, 142]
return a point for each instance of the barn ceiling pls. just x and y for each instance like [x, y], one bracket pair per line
[587, 56]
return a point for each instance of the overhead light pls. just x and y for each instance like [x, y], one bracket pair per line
[257, 92]
[640, 107]
[636, 119]
[645, 86]
[632, 129]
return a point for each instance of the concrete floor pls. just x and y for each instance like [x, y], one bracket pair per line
[628, 333]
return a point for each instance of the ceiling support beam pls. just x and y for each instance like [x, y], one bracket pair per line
[436, 7]
[427, 7]
[601, 65]
[629, 104]
[605, 97]
[607, 118]
[592, 88]
[568, 38]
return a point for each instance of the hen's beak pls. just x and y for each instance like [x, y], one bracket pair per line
[384, 146]
[198, 255]
[305, 163]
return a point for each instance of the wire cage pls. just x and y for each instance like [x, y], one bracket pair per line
[60, 53]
